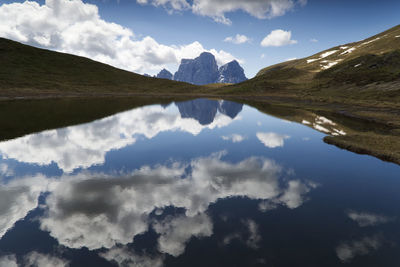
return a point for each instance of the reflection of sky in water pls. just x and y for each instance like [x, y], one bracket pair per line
[156, 185]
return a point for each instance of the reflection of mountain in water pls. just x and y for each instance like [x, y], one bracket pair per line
[229, 108]
[204, 110]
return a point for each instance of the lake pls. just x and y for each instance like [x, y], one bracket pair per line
[195, 183]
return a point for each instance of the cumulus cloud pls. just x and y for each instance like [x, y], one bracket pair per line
[100, 211]
[17, 198]
[36, 259]
[125, 257]
[367, 219]
[278, 38]
[170, 5]
[272, 140]
[5, 170]
[33, 259]
[235, 138]
[348, 250]
[238, 39]
[75, 27]
[8, 261]
[87, 144]
[217, 9]
[259, 8]
[175, 232]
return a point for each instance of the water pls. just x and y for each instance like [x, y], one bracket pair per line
[196, 183]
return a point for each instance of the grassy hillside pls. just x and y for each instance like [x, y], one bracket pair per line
[355, 72]
[27, 70]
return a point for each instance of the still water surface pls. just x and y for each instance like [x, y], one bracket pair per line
[195, 183]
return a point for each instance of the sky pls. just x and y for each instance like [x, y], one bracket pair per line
[145, 36]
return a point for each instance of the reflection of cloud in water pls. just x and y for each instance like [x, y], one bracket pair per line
[251, 238]
[17, 198]
[86, 145]
[33, 259]
[97, 211]
[42, 260]
[234, 138]
[175, 232]
[8, 261]
[124, 257]
[367, 219]
[102, 211]
[348, 250]
[272, 140]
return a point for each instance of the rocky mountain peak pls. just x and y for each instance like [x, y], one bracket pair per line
[201, 70]
[165, 74]
[231, 72]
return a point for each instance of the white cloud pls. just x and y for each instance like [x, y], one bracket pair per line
[33, 259]
[348, 250]
[168, 4]
[238, 39]
[75, 27]
[176, 232]
[235, 138]
[124, 257]
[313, 40]
[367, 219]
[278, 38]
[272, 140]
[217, 9]
[17, 198]
[5, 170]
[96, 210]
[86, 145]
[119, 207]
[258, 8]
[36, 259]
[8, 261]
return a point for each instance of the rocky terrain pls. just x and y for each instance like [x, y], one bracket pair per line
[165, 74]
[231, 72]
[204, 70]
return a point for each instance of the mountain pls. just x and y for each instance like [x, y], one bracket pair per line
[204, 70]
[229, 108]
[366, 70]
[231, 72]
[165, 74]
[27, 71]
[205, 110]
[201, 70]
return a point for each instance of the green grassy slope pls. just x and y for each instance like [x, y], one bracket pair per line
[28, 70]
[364, 70]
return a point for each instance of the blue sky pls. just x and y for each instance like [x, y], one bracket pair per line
[164, 31]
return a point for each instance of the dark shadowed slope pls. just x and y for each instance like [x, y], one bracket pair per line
[27, 70]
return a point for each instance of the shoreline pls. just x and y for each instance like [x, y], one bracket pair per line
[381, 123]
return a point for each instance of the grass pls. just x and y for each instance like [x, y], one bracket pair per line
[30, 71]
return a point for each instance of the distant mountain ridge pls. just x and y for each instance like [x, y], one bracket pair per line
[204, 70]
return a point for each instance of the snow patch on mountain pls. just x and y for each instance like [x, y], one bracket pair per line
[348, 51]
[329, 63]
[327, 54]
[368, 42]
